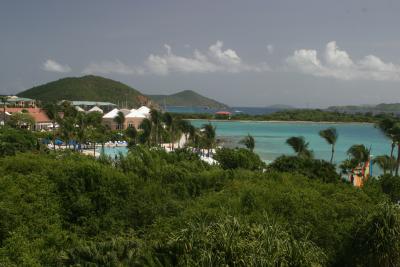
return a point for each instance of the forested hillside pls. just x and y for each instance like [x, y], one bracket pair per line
[187, 98]
[87, 88]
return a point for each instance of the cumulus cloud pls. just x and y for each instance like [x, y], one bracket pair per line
[215, 59]
[108, 67]
[53, 66]
[338, 64]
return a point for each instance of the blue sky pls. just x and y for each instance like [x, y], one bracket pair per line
[247, 53]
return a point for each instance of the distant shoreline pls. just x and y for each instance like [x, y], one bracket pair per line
[283, 121]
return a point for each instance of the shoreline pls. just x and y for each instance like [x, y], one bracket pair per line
[282, 121]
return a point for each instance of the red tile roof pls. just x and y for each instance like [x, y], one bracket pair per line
[223, 113]
[38, 114]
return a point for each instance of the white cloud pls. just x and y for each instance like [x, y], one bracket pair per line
[53, 66]
[215, 59]
[108, 67]
[270, 49]
[338, 64]
[169, 62]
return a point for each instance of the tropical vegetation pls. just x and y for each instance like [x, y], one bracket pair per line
[151, 207]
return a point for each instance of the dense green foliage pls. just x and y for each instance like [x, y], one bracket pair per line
[153, 208]
[314, 115]
[187, 98]
[312, 168]
[239, 158]
[157, 208]
[16, 140]
[384, 107]
[88, 88]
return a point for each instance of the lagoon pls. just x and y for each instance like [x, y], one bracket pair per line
[270, 137]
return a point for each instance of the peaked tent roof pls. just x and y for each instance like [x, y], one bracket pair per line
[125, 111]
[135, 114]
[95, 109]
[144, 110]
[112, 114]
[78, 108]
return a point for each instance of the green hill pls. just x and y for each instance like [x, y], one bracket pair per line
[380, 108]
[187, 98]
[87, 88]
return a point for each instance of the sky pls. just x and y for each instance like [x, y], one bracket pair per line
[305, 53]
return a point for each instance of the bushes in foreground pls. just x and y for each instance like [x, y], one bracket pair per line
[16, 140]
[239, 158]
[156, 208]
[309, 167]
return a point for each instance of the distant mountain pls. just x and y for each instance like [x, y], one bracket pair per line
[380, 108]
[187, 98]
[87, 88]
[280, 106]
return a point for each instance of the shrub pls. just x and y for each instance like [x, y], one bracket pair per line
[16, 140]
[239, 158]
[311, 168]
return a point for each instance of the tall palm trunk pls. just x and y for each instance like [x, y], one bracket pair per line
[94, 149]
[398, 159]
[54, 136]
[333, 152]
[391, 156]
[4, 112]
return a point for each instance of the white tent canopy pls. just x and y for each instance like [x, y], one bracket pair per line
[79, 109]
[144, 110]
[95, 109]
[112, 114]
[135, 114]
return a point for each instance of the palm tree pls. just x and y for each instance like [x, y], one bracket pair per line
[52, 112]
[155, 119]
[145, 136]
[120, 119]
[249, 142]
[330, 135]
[209, 136]
[389, 127]
[386, 126]
[385, 162]
[184, 126]
[169, 123]
[360, 155]
[300, 146]
[131, 133]
[4, 100]
[21, 120]
[395, 131]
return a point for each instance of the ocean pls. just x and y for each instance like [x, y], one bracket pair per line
[270, 137]
[234, 110]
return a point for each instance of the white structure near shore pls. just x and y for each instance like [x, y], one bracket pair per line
[133, 117]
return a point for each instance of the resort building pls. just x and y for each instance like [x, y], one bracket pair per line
[144, 110]
[95, 109]
[88, 105]
[223, 115]
[133, 118]
[42, 121]
[19, 102]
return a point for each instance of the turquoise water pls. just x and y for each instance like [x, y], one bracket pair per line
[270, 137]
[113, 151]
